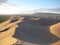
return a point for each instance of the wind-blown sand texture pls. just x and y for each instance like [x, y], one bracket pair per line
[5, 23]
[7, 30]
[27, 32]
[55, 30]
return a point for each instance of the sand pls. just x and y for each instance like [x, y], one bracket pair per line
[6, 34]
[35, 34]
[30, 34]
[55, 30]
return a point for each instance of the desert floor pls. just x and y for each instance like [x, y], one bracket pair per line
[27, 32]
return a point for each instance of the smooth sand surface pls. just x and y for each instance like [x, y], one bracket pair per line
[8, 32]
[8, 40]
[6, 36]
[2, 27]
[5, 23]
[31, 34]
[55, 30]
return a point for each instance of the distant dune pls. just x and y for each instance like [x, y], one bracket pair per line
[43, 14]
[32, 30]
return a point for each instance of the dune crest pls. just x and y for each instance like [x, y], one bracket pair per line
[55, 29]
[7, 29]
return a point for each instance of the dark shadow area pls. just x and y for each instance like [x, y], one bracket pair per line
[44, 21]
[14, 19]
[38, 34]
[4, 30]
[3, 18]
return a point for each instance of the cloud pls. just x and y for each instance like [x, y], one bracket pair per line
[56, 10]
[6, 8]
[3, 1]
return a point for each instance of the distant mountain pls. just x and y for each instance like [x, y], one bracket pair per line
[57, 11]
[36, 12]
[43, 14]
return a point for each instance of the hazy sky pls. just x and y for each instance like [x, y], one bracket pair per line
[26, 6]
[36, 3]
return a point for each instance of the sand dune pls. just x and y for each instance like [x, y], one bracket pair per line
[5, 23]
[30, 33]
[6, 35]
[9, 31]
[35, 34]
[9, 40]
[55, 29]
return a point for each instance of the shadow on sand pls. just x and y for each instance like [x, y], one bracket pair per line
[32, 33]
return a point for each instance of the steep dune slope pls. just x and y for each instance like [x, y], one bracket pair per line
[6, 34]
[55, 30]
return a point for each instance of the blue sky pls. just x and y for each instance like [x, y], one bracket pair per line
[28, 6]
[36, 3]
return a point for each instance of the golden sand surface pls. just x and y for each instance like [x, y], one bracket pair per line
[7, 39]
[55, 30]
[8, 32]
[6, 36]
[5, 23]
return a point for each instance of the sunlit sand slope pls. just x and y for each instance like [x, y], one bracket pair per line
[6, 37]
[55, 30]
[5, 23]
[7, 29]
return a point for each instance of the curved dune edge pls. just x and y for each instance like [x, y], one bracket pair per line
[8, 40]
[6, 36]
[55, 29]
[6, 24]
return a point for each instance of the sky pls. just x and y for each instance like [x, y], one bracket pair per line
[26, 6]
[36, 3]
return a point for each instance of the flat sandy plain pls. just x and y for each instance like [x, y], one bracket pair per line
[30, 31]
